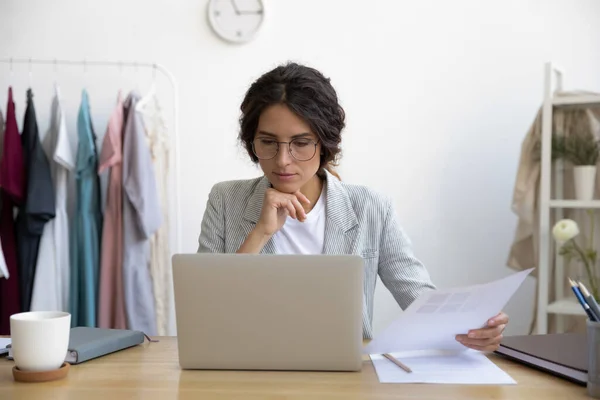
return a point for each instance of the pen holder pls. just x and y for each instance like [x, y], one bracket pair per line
[593, 351]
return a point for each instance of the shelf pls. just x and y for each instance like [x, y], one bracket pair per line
[570, 307]
[574, 204]
[576, 100]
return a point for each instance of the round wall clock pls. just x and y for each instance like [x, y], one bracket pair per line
[236, 21]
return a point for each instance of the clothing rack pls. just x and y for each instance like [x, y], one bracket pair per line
[120, 64]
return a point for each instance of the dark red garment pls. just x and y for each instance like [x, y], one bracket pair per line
[12, 190]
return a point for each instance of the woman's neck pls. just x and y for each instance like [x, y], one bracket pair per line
[312, 189]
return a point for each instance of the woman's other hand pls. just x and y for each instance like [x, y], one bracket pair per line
[487, 338]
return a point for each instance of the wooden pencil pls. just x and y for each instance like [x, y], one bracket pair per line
[397, 362]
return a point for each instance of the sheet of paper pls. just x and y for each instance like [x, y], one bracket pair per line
[433, 320]
[465, 367]
[3, 343]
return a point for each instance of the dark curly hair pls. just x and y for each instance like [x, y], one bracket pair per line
[307, 93]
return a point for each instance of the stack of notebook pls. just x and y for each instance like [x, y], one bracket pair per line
[89, 343]
[563, 355]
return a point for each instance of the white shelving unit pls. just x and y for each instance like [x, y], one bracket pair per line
[574, 204]
[565, 307]
[580, 100]
[566, 304]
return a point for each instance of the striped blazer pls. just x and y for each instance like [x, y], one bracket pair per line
[358, 221]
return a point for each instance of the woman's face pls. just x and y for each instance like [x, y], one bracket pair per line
[297, 161]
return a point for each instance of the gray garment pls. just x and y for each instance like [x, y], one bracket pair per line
[141, 218]
[358, 221]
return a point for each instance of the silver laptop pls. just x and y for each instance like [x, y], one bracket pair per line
[269, 312]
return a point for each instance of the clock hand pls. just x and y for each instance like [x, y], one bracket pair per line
[237, 10]
[249, 12]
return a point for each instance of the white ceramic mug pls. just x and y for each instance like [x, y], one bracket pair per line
[40, 339]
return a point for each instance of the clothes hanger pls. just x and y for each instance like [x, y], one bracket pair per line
[151, 92]
[55, 80]
[12, 74]
[137, 76]
[85, 75]
[120, 90]
[30, 73]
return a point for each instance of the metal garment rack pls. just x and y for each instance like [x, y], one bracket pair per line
[119, 64]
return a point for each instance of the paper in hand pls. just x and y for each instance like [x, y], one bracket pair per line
[433, 320]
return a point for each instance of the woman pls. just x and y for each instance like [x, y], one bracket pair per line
[291, 126]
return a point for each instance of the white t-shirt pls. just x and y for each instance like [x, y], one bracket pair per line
[306, 237]
[51, 283]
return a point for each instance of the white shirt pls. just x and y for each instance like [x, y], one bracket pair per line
[160, 252]
[306, 237]
[51, 282]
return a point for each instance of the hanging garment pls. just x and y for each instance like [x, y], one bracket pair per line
[12, 191]
[51, 285]
[111, 301]
[141, 219]
[87, 229]
[1, 137]
[160, 252]
[523, 253]
[39, 205]
[3, 268]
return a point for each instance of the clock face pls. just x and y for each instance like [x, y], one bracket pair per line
[236, 21]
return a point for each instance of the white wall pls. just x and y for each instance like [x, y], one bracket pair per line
[438, 95]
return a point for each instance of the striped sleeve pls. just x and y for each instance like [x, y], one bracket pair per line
[400, 271]
[212, 231]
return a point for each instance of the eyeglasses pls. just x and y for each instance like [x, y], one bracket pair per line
[302, 149]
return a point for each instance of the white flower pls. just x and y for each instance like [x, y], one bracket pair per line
[565, 230]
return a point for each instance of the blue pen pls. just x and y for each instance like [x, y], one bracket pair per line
[590, 300]
[582, 301]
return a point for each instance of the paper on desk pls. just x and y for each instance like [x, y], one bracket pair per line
[3, 343]
[464, 367]
[433, 320]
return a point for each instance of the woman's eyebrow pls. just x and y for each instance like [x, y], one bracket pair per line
[298, 135]
[266, 133]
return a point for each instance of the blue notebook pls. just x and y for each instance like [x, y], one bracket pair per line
[88, 343]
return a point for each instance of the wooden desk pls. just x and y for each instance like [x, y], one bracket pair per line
[151, 371]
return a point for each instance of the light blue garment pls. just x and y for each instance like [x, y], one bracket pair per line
[87, 224]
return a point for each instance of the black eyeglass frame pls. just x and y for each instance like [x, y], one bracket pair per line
[315, 143]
